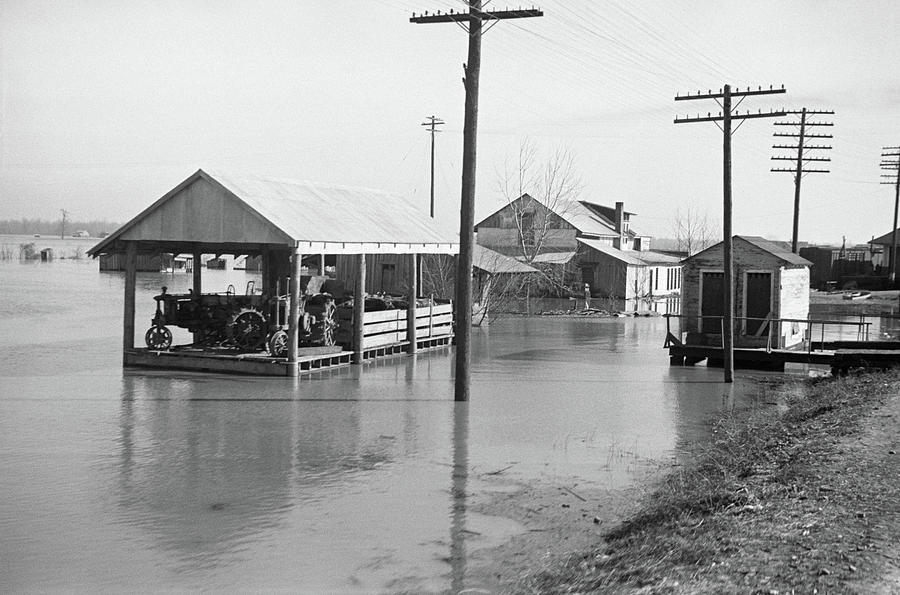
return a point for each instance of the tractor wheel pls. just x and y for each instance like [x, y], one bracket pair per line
[247, 329]
[278, 344]
[158, 338]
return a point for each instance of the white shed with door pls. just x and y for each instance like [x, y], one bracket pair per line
[771, 295]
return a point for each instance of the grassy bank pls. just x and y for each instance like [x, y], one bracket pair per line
[795, 497]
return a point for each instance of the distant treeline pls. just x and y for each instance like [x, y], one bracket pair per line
[23, 226]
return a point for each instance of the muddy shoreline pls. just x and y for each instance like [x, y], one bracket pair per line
[799, 494]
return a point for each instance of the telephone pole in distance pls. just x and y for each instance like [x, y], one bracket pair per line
[473, 23]
[726, 116]
[890, 162]
[801, 167]
[433, 122]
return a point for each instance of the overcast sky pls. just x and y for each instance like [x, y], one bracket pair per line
[107, 105]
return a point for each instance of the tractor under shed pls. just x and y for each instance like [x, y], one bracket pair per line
[280, 221]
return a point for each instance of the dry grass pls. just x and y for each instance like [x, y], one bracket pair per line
[775, 501]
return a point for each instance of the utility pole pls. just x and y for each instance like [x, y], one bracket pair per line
[726, 116]
[62, 231]
[473, 23]
[801, 160]
[432, 123]
[890, 162]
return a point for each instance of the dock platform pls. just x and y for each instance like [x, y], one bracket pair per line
[840, 358]
[310, 359]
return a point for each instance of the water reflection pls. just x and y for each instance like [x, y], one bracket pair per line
[203, 477]
[354, 479]
[460, 478]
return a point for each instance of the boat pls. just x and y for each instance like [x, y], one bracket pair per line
[857, 295]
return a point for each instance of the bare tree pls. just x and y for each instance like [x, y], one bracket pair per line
[693, 230]
[539, 192]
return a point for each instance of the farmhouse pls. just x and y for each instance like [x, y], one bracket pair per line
[771, 299]
[585, 243]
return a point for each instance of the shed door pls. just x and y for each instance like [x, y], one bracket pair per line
[759, 300]
[712, 303]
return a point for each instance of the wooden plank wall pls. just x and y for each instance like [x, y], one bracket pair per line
[388, 327]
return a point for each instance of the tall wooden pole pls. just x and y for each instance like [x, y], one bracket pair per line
[728, 321]
[467, 212]
[433, 122]
[799, 176]
[726, 118]
[893, 273]
[890, 162]
[474, 18]
[801, 166]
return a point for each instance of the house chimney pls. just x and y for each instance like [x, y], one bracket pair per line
[620, 225]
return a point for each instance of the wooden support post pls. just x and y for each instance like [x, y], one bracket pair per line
[728, 330]
[294, 316]
[197, 273]
[359, 308]
[321, 265]
[411, 309]
[264, 271]
[130, 285]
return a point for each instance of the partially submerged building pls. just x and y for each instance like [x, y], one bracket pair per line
[771, 298]
[280, 221]
[584, 242]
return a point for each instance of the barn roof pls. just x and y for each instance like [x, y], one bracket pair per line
[243, 213]
[589, 218]
[778, 250]
[495, 263]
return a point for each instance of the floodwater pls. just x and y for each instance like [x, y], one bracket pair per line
[353, 480]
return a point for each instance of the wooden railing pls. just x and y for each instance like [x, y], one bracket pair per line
[768, 324]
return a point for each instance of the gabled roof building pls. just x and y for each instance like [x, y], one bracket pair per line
[596, 243]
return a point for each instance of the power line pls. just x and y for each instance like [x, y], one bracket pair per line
[801, 169]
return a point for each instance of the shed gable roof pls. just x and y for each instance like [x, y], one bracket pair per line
[776, 250]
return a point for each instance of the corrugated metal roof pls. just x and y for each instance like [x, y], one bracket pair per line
[320, 214]
[626, 256]
[585, 221]
[653, 257]
[496, 263]
[554, 257]
[330, 213]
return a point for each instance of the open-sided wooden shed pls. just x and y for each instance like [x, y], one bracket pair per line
[281, 221]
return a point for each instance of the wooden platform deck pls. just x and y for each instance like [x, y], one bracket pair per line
[263, 364]
[839, 358]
